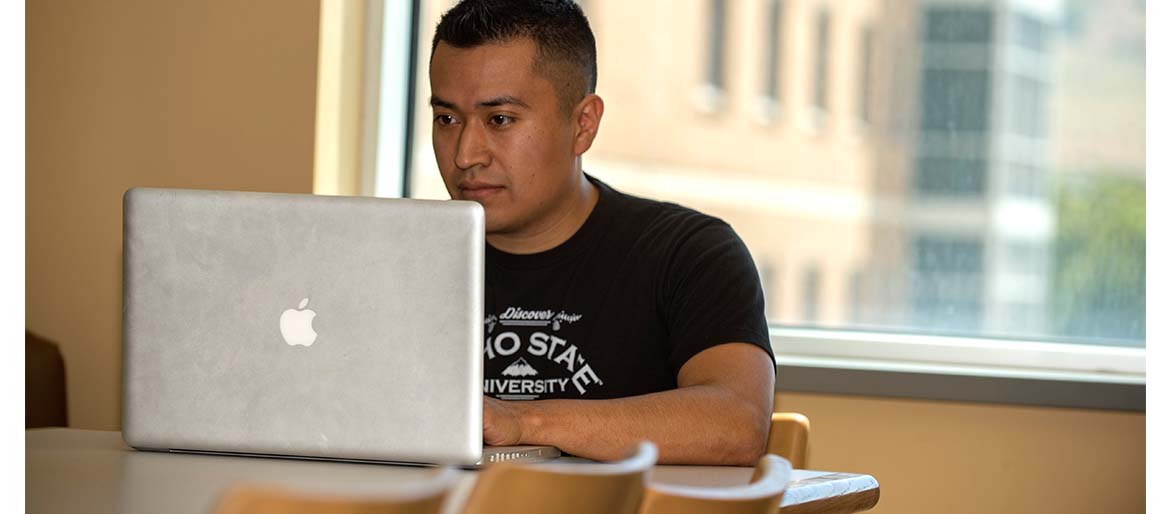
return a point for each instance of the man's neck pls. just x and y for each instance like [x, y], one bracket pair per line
[557, 230]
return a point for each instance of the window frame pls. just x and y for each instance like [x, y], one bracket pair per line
[972, 369]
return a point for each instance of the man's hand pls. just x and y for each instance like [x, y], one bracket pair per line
[501, 423]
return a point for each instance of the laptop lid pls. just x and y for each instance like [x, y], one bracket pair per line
[302, 325]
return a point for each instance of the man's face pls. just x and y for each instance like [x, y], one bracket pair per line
[500, 137]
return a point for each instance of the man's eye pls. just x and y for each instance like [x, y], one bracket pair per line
[444, 119]
[501, 120]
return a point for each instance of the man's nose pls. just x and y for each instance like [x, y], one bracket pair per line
[472, 148]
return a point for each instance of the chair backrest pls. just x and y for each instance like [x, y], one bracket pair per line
[44, 383]
[423, 498]
[565, 488]
[788, 438]
[761, 496]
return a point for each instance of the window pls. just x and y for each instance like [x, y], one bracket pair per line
[811, 285]
[955, 100]
[711, 94]
[773, 45]
[717, 45]
[821, 44]
[947, 283]
[1028, 107]
[1026, 180]
[949, 176]
[958, 24]
[768, 280]
[1031, 33]
[999, 203]
[863, 76]
[1025, 257]
[856, 296]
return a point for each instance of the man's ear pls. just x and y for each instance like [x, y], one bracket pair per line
[586, 121]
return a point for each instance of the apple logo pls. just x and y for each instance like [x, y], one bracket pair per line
[296, 325]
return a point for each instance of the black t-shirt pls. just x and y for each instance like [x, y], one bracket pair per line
[618, 308]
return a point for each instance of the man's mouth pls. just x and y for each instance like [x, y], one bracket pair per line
[478, 190]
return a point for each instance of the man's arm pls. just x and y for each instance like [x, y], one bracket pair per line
[719, 414]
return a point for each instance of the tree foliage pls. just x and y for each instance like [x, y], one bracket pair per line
[1099, 269]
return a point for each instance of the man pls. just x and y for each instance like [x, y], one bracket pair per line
[617, 317]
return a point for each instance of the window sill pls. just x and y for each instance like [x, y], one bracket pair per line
[960, 369]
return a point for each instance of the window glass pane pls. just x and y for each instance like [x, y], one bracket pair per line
[997, 190]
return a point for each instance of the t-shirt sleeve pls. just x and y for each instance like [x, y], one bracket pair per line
[712, 294]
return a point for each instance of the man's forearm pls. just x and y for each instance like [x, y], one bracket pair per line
[699, 424]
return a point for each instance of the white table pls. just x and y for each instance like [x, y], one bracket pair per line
[71, 471]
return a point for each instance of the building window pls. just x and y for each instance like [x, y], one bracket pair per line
[958, 25]
[1031, 33]
[766, 267]
[856, 296]
[717, 44]
[773, 46]
[1028, 116]
[864, 80]
[946, 284]
[710, 96]
[1025, 257]
[1026, 181]
[955, 100]
[950, 176]
[822, 47]
[811, 303]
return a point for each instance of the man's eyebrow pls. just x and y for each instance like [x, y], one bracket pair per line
[503, 100]
[491, 102]
[439, 102]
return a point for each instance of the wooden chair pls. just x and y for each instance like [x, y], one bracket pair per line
[761, 496]
[424, 498]
[788, 438]
[564, 488]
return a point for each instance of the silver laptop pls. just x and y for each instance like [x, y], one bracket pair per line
[305, 326]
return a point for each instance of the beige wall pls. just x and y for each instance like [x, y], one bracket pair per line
[120, 93]
[959, 458]
[221, 95]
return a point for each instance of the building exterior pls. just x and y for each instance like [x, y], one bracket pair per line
[980, 223]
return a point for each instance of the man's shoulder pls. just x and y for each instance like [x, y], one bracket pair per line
[658, 218]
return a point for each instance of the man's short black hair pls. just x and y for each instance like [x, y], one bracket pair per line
[566, 53]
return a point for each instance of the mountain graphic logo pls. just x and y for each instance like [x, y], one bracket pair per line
[520, 368]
